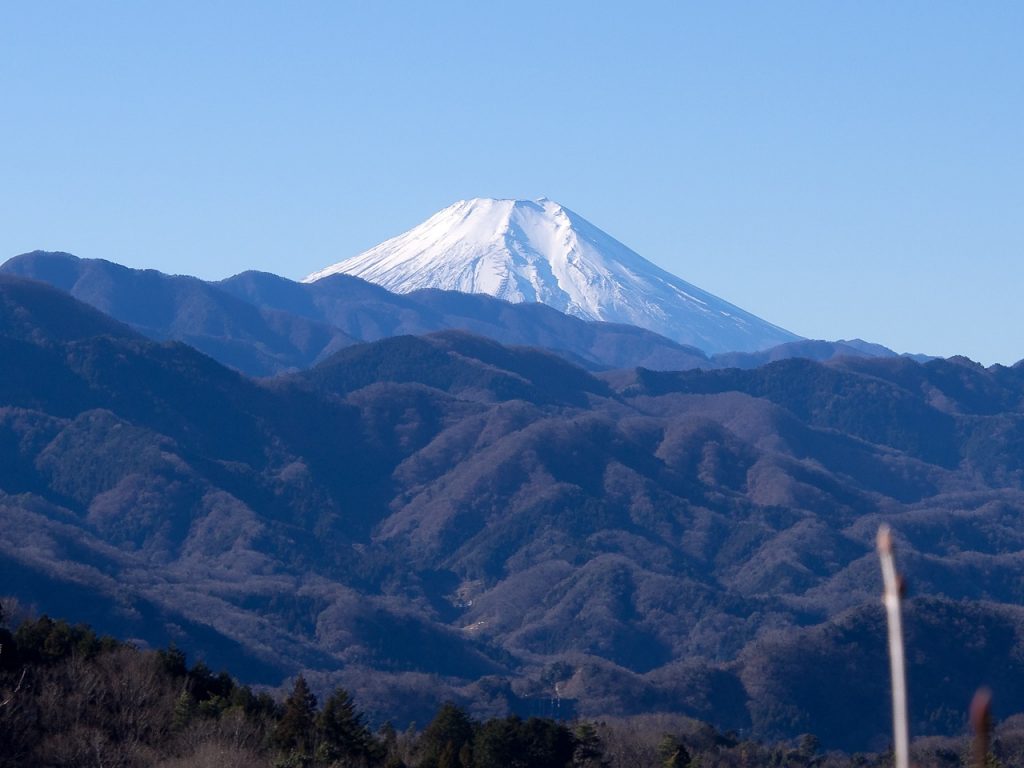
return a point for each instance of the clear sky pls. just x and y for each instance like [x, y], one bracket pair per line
[840, 169]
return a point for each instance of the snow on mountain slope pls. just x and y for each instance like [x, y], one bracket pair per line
[538, 250]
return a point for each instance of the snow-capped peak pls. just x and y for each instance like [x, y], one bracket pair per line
[538, 250]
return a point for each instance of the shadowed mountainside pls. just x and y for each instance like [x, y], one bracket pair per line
[419, 518]
[262, 324]
[259, 341]
[809, 349]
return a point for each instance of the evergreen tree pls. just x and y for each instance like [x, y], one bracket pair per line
[342, 731]
[547, 744]
[387, 737]
[184, 710]
[497, 744]
[536, 743]
[173, 661]
[295, 730]
[589, 751]
[449, 757]
[450, 726]
[387, 733]
[808, 746]
[672, 753]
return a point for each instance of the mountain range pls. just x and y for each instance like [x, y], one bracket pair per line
[262, 324]
[540, 251]
[445, 515]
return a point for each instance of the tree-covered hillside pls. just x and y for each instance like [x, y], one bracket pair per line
[444, 517]
[71, 698]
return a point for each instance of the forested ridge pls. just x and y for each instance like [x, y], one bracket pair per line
[444, 517]
[70, 698]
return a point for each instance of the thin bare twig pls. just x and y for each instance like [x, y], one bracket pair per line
[14, 693]
[891, 599]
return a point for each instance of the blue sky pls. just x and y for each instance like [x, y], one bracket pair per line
[841, 169]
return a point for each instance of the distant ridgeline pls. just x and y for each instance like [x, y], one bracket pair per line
[262, 324]
[444, 516]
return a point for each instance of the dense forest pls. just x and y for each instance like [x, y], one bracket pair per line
[69, 697]
[443, 517]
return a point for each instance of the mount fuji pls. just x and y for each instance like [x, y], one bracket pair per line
[540, 251]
